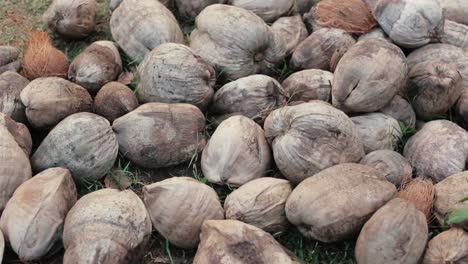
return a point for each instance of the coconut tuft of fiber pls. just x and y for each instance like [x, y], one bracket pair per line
[421, 192]
[353, 16]
[41, 59]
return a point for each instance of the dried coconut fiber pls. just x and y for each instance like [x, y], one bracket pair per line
[421, 192]
[41, 59]
[353, 16]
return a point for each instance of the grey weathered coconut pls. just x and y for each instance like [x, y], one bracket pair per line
[139, 26]
[178, 207]
[233, 242]
[448, 247]
[449, 193]
[375, 33]
[438, 150]
[410, 23]
[236, 153]
[310, 137]
[106, 226]
[114, 4]
[172, 73]
[49, 100]
[455, 34]
[260, 203]
[84, 143]
[9, 59]
[401, 110]
[268, 10]
[114, 100]
[368, 76]
[15, 147]
[254, 96]
[292, 30]
[11, 85]
[390, 164]
[321, 49]
[73, 19]
[97, 65]
[335, 203]
[309, 85]
[191, 8]
[33, 219]
[396, 234]
[236, 41]
[461, 107]
[378, 131]
[304, 6]
[159, 135]
[455, 10]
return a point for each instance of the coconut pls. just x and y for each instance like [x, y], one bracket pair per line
[236, 41]
[33, 218]
[41, 59]
[172, 73]
[49, 100]
[304, 6]
[353, 16]
[9, 59]
[106, 226]
[400, 109]
[420, 192]
[308, 85]
[72, 19]
[335, 203]
[456, 10]
[2, 246]
[84, 143]
[260, 203]
[268, 10]
[461, 107]
[438, 150]
[159, 135]
[375, 33]
[178, 207]
[368, 76]
[449, 193]
[191, 8]
[390, 164]
[97, 65]
[11, 85]
[378, 131]
[448, 247]
[114, 100]
[454, 34]
[236, 153]
[234, 242]
[396, 234]
[310, 137]
[292, 30]
[139, 26]
[321, 48]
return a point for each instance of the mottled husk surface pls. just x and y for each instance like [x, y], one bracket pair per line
[308, 85]
[335, 203]
[33, 218]
[448, 247]
[419, 191]
[454, 34]
[375, 33]
[114, 100]
[448, 194]
[234, 242]
[461, 107]
[310, 137]
[106, 226]
[400, 109]
[390, 164]
[268, 10]
[396, 234]
[455, 10]
[159, 135]
[191, 8]
[9, 59]
[236, 153]
[11, 85]
[178, 207]
[438, 150]
[292, 30]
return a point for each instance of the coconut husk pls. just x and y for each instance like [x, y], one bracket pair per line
[353, 16]
[41, 59]
[421, 193]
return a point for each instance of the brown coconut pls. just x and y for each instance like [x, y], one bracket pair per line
[396, 234]
[33, 218]
[448, 194]
[375, 33]
[106, 226]
[268, 10]
[84, 143]
[321, 48]
[419, 191]
[260, 203]
[236, 153]
[400, 109]
[353, 16]
[310, 137]
[292, 30]
[368, 76]
[159, 135]
[11, 85]
[49, 100]
[308, 85]
[173, 73]
[41, 59]
[448, 247]
[335, 203]
[234, 242]
[114, 100]
[97, 65]
[254, 96]
[9, 59]
[390, 164]
[178, 207]
[455, 10]
[438, 150]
